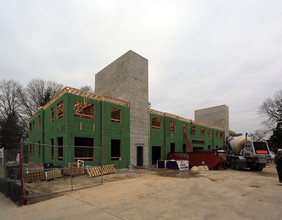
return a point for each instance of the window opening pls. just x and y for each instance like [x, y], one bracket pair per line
[209, 132]
[52, 114]
[52, 149]
[156, 123]
[116, 115]
[156, 154]
[115, 149]
[184, 148]
[203, 132]
[198, 149]
[216, 133]
[60, 109]
[84, 149]
[172, 147]
[193, 130]
[172, 125]
[83, 109]
[200, 142]
[60, 149]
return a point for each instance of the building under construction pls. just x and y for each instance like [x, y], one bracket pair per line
[115, 124]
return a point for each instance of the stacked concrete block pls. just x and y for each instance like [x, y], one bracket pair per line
[127, 78]
[214, 116]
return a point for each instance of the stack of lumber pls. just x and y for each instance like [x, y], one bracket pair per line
[96, 171]
[33, 172]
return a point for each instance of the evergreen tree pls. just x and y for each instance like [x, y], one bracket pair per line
[11, 132]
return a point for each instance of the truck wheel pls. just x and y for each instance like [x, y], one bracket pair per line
[237, 165]
[232, 164]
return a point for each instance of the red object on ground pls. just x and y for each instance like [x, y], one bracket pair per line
[214, 160]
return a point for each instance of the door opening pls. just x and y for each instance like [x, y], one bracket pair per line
[139, 156]
[156, 154]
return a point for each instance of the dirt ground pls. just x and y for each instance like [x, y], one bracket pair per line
[150, 194]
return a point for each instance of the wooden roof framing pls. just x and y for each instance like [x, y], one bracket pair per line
[152, 111]
[84, 94]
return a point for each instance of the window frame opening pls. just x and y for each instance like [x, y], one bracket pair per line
[172, 147]
[84, 109]
[60, 148]
[60, 109]
[156, 123]
[115, 115]
[52, 149]
[203, 131]
[84, 149]
[52, 114]
[184, 148]
[209, 132]
[193, 130]
[172, 125]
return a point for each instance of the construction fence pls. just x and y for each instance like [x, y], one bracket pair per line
[26, 182]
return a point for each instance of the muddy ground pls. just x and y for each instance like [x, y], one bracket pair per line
[152, 194]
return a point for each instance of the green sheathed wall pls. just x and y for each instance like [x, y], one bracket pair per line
[163, 137]
[101, 128]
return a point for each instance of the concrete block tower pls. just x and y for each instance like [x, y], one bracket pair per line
[127, 78]
[214, 116]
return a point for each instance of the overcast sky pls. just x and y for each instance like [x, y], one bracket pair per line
[201, 53]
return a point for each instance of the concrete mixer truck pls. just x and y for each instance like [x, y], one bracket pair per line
[243, 152]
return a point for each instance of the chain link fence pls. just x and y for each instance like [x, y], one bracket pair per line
[10, 176]
[31, 177]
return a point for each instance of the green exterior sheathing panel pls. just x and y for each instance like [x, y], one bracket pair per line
[164, 137]
[101, 129]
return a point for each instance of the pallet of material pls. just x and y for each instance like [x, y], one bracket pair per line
[51, 174]
[74, 171]
[33, 172]
[96, 171]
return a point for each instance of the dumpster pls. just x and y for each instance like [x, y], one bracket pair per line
[213, 160]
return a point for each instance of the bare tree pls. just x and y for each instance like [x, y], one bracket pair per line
[37, 93]
[9, 97]
[272, 109]
[87, 89]
[258, 134]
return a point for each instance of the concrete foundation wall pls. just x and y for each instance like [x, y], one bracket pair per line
[214, 116]
[127, 79]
